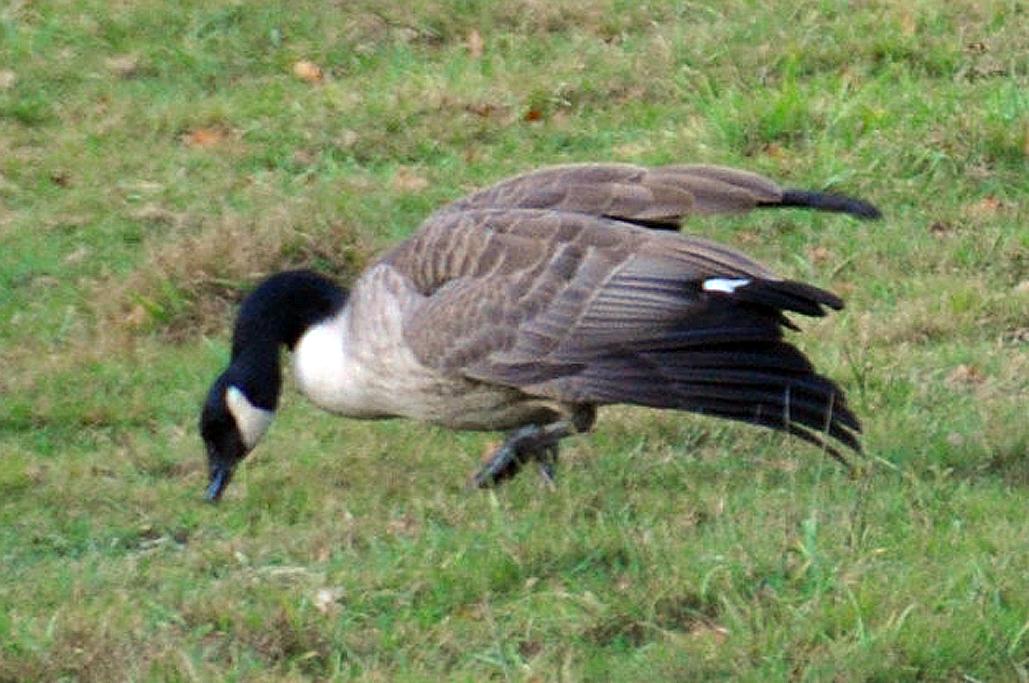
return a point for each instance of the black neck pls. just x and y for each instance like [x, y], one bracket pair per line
[277, 313]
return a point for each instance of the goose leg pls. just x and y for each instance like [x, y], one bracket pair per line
[531, 442]
[534, 442]
[546, 461]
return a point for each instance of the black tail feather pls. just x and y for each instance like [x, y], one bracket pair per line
[811, 436]
[729, 359]
[826, 201]
[787, 295]
[780, 400]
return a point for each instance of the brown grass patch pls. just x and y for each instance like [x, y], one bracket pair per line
[85, 647]
[187, 286]
[441, 24]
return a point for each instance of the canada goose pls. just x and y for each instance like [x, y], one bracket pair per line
[527, 305]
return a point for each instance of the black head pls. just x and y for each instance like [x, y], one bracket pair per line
[231, 425]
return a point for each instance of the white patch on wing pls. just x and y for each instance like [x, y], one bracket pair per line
[726, 285]
[251, 421]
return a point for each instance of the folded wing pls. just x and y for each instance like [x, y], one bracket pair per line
[586, 309]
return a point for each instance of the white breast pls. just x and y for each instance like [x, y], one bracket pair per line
[325, 371]
[358, 364]
[358, 368]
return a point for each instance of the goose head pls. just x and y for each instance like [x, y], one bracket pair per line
[231, 424]
[241, 402]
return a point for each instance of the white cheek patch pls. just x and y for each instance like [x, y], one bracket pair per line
[726, 285]
[251, 421]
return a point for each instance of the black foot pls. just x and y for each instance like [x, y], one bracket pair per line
[523, 445]
[547, 462]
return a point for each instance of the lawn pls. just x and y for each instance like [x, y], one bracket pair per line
[157, 159]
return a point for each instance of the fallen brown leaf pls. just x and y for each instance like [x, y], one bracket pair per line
[979, 171]
[308, 71]
[123, 66]
[475, 44]
[327, 599]
[819, 254]
[303, 157]
[406, 180]
[844, 288]
[488, 449]
[78, 255]
[908, 23]
[60, 178]
[484, 109]
[35, 473]
[986, 207]
[405, 525]
[204, 137]
[347, 139]
[158, 215]
[784, 465]
[631, 150]
[406, 34]
[1018, 335]
[533, 115]
[990, 204]
[136, 317]
[748, 237]
[774, 150]
[966, 374]
[712, 631]
[530, 648]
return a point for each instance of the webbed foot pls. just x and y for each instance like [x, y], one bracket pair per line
[525, 444]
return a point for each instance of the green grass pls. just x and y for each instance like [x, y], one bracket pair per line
[675, 547]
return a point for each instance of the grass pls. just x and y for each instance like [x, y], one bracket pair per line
[156, 159]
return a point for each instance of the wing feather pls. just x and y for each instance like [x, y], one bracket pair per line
[659, 197]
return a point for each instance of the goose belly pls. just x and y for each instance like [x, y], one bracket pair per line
[477, 406]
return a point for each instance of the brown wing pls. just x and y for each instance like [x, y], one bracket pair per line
[651, 197]
[589, 310]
